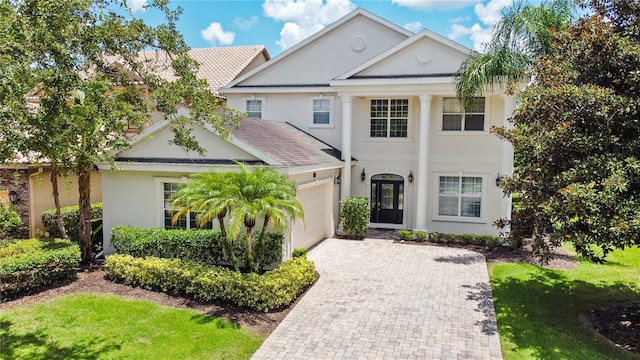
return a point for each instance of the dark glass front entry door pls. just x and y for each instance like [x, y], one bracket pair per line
[387, 199]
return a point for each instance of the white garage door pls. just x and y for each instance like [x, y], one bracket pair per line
[317, 216]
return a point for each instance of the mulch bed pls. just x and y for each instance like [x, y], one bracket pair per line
[620, 324]
[93, 280]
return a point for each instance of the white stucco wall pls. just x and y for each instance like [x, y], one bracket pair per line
[331, 55]
[134, 198]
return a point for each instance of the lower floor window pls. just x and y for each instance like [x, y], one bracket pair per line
[460, 196]
[188, 221]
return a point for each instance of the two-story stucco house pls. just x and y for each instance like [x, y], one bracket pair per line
[362, 108]
[385, 97]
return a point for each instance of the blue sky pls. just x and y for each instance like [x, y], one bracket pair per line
[280, 24]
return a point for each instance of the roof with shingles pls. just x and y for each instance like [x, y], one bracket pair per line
[285, 143]
[218, 65]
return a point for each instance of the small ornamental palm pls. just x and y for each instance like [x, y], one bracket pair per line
[245, 196]
[205, 195]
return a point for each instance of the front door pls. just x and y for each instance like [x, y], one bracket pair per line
[387, 199]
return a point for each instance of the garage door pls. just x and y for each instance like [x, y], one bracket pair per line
[317, 215]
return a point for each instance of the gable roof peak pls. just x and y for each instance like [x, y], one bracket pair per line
[327, 29]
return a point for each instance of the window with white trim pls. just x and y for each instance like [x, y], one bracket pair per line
[456, 118]
[389, 118]
[253, 108]
[188, 221]
[321, 111]
[460, 196]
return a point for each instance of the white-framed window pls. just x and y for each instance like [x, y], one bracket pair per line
[322, 112]
[254, 107]
[460, 196]
[389, 118]
[188, 221]
[455, 118]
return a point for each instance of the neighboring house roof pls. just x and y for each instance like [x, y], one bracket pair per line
[218, 65]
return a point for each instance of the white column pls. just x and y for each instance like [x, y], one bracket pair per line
[345, 190]
[507, 152]
[423, 160]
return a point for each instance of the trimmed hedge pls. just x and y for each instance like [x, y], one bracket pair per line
[70, 217]
[203, 246]
[32, 263]
[11, 225]
[471, 239]
[265, 292]
[355, 214]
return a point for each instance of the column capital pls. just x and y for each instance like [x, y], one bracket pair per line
[346, 98]
[426, 98]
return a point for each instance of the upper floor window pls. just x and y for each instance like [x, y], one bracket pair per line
[322, 111]
[460, 196]
[188, 221]
[389, 118]
[254, 108]
[455, 118]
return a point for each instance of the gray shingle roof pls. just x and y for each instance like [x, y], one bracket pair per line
[285, 143]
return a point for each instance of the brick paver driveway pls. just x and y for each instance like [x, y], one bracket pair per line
[380, 300]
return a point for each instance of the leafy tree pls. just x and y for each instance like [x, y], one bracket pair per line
[577, 135]
[522, 35]
[245, 196]
[96, 71]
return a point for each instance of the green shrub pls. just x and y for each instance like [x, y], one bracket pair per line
[265, 292]
[355, 216]
[299, 252]
[203, 246]
[11, 225]
[70, 216]
[405, 235]
[420, 235]
[467, 239]
[32, 263]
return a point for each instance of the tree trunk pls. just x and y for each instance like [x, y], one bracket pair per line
[56, 199]
[265, 225]
[84, 222]
[248, 251]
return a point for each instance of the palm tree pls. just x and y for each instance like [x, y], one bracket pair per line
[520, 37]
[262, 193]
[206, 195]
[245, 196]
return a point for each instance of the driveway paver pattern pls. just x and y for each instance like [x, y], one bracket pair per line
[376, 299]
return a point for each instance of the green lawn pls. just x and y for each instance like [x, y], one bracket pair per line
[84, 326]
[538, 309]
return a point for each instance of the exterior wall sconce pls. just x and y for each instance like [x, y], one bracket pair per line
[363, 175]
[498, 180]
[337, 180]
[410, 176]
[13, 197]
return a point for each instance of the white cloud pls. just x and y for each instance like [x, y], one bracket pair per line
[214, 34]
[245, 24]
[480, 33]
[435, 4]
[304, 17]
[137, 5]
[460, 19]
[491, 12]
[413, 26]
